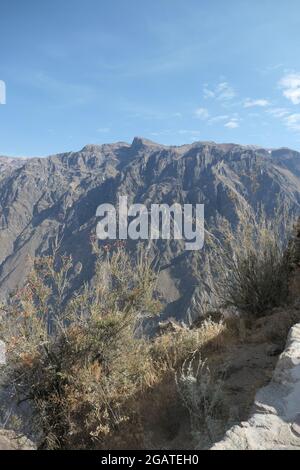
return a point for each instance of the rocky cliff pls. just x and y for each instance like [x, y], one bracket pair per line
[43, 197]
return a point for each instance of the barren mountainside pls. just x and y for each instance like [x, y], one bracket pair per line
[41, 198]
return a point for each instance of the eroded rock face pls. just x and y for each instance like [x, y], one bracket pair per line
[42, 198]
[275, 421]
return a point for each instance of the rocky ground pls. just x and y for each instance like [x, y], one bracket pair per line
[9, 440]
[275, 420]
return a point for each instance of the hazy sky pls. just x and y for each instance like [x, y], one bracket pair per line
[174, 71]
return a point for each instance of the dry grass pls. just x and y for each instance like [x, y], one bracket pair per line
[248, 268]
[78, 362]
[172, 349]
[201, 394]
[83, 363]
[93, 379]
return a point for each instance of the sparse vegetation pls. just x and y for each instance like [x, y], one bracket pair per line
[173, 348]
[201, 394]
[91, 376]
[249, 267]
[84, 364]
[78, 362]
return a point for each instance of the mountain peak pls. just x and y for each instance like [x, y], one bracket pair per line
[139, 142]
[91, 148]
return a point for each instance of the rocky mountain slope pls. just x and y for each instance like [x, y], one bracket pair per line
[45, 198]
[8, 164]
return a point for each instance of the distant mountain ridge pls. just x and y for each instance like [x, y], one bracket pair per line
[41, 197]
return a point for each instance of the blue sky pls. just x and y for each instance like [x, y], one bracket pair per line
[174, 71]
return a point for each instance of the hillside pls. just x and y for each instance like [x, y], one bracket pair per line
[57, 196]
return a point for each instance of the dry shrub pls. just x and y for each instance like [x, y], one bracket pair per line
[249, 267]
[80, 362]
[83, 363]
[172, 349]
[201, 394]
